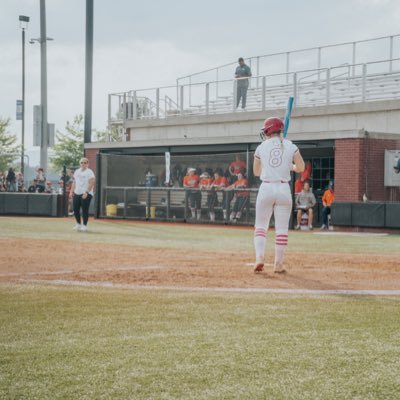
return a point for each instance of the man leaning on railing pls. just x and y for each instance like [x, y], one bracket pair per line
[242, 74]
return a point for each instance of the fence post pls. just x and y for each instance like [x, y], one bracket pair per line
[319, 63]
[177, 91]
[328, 86]
[391, 54]
[181, 99]
[207, 97]
[125, 200]
[364, 82]
[186, 206]
[354, 59]
[263, 94]
[287, 66]
[109, 113]
[168, 203]
[158, 103]
[124, 108]
[190, 91]
[294, 87]
[134, 106]
[250, 65]
[216, 85]
[234, 95]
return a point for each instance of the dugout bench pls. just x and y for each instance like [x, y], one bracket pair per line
[169, 203]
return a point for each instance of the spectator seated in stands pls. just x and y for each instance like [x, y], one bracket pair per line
[241, 197]
[191, 181]
[41, 179]
[35, 188]
[3, 187]
[49, 187]
[305, 201]
[327, 199]
[20, 182]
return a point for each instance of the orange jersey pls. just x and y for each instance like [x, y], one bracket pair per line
[237, 166]
[306, 174]
[241, 184]
[191, 181]
[329, 197]
[298, 185]
[206, 181]
[221, 182]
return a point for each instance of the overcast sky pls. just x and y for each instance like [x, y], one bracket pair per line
[140, 44]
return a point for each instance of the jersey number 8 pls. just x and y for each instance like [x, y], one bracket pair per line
[275, 157]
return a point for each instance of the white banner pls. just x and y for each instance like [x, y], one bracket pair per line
[167, 166]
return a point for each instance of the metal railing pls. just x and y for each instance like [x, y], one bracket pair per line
[377, 80]
[360, 51]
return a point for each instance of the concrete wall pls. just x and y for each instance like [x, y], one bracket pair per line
[323, 122]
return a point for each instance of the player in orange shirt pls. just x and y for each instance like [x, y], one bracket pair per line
[237, 166]
[205, 184]
[192, 180]
[327, 199]
[241, 196]
[220, 183]
[304, 176]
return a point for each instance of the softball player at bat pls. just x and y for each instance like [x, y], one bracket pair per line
[274, 158]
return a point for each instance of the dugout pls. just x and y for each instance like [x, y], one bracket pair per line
[133, 180]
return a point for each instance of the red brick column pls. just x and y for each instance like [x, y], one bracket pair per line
[359, 169]
[90, 154]
[375, 151]
[349, 167]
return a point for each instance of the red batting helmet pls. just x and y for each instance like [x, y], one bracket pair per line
[272, 125]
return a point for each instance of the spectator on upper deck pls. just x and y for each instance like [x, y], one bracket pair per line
[242, 74]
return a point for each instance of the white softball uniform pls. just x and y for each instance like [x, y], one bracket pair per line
[274, 195]
[82, 180]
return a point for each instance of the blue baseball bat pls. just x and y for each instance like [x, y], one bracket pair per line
[287, 115]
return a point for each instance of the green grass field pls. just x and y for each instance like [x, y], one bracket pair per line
[59, 342]
[188, 236]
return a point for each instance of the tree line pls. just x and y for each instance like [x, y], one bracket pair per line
[68, 149]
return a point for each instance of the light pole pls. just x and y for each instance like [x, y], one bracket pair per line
[23, 23]
[44, 140]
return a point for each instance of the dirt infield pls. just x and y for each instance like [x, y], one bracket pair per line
[24, 259]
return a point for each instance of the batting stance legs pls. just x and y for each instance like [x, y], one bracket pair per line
[78, 203]
[272, 198]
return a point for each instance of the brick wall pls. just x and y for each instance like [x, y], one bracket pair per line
[349, 182]
[375, 151]
[90, 154]
[359, 169]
